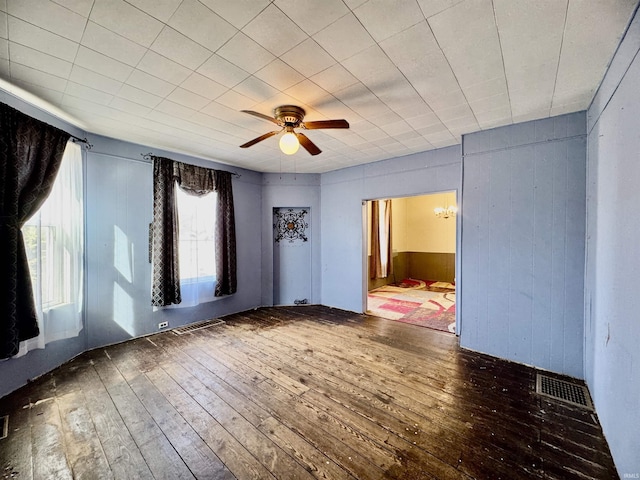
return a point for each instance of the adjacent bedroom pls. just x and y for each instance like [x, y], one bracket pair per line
[411, 259]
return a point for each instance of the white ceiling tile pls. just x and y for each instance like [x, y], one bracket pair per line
[492, 118]
[432, 7]
[50, 16]
[431, 129]
[38, 60]
[138, 96]
[222, 71]
[37, 77]
[187, 99]
[592, 32]
[274, 31]
[245, 53]
[360, 99]
[255, 89]
[311, 15]
[31, 36]
[53, 96]
[487, 88]
[235, 101]
[423, 120]
[102, 64]
[89, 78]
[202, 25]
[4, 32]
[174, 109]
[203, 86]
[179, 48]
[307, 92]
[468, 35]
[336, 77]
[162, 67]
[238, 12]
[490, 103]
[81, 7]
[308, 58]
[126, 106]
[344, 38]
[112, 45]
[417, 55]
[82, 91]
[149, 83]
[126, 20]
[353, 4]
[396, 128]
[212, 122]
[398, 16]
[160, 9]
[447, 100]
[4, 49]
[279, 75]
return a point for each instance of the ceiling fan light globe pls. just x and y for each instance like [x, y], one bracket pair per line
[289, 143]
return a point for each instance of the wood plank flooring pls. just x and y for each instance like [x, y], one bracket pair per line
[296, 393]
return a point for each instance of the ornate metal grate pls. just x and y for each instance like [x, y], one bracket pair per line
[562, 390]
[4, 427]
[197, 326]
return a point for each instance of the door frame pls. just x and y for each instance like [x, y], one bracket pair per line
[365, 248]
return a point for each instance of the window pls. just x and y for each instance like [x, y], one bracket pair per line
[54, 239]
[196, 248]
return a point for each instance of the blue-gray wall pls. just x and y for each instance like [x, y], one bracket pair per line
[118, 202]
[523, 242]
[119, 209]
[290, 190]
[342, 263]
[612, 303]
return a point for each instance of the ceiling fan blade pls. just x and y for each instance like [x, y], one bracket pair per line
[307, 144]
[326, 124]
[259, 139]
[261, 115]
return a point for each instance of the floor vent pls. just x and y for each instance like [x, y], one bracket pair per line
[4, 427]
[197, 326]
[564, 391]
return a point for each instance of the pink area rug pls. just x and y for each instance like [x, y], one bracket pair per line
[415, 303]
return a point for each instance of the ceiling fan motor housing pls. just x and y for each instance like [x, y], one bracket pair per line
[289, 115]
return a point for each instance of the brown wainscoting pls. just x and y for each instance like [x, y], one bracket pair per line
[431, 266]
[400, 271]
[418, 265]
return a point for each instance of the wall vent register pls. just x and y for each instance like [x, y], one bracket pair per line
[197, 326]
[564, 391]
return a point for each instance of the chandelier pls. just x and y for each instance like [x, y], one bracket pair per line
[447, 211]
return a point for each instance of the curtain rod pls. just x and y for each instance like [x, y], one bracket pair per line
[84, 140]
[150, 156]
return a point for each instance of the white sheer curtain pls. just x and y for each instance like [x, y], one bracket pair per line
[54, 239]
[196, 249]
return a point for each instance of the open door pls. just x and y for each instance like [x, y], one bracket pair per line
[419, 285]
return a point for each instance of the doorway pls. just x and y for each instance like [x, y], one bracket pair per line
[410, 259]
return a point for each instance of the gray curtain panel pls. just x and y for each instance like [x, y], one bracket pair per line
[30, 156]
[196, 181]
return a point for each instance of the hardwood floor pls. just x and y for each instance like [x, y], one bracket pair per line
[296, 393]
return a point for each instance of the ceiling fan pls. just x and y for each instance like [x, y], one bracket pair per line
[289, 117]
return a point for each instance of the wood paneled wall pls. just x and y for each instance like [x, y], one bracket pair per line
[523, 241]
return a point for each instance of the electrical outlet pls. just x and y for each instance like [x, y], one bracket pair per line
[162, 325]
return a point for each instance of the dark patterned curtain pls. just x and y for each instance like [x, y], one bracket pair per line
[30, 156]
[226, 281]
[196, 181]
